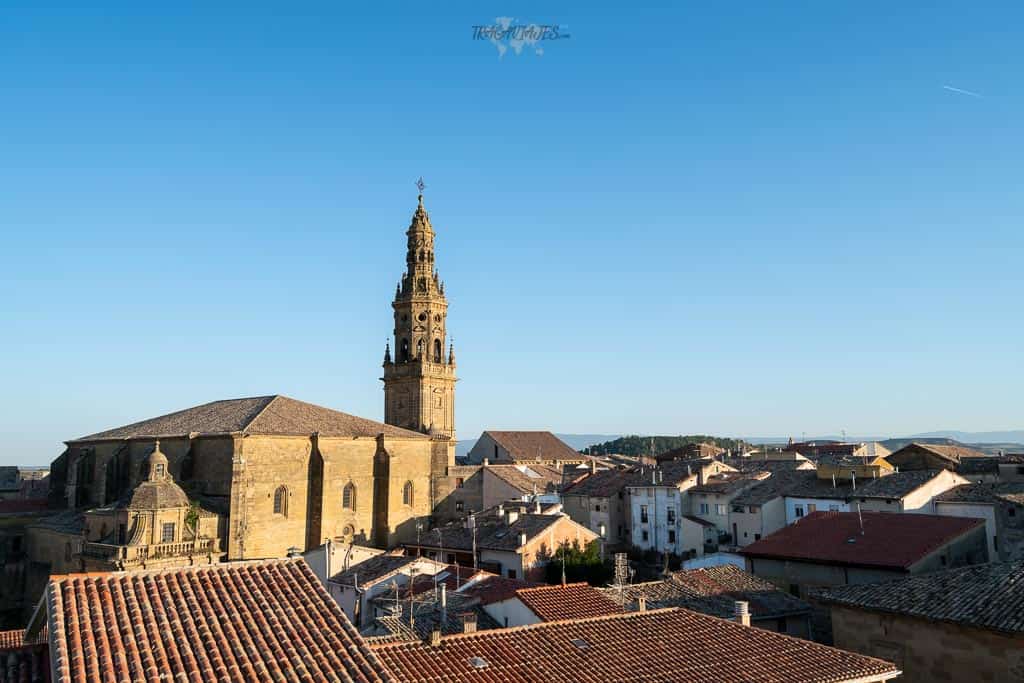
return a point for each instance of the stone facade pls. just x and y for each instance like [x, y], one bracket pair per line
[926, 650]
[419, 383]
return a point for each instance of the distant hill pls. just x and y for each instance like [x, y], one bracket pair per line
[648, 445]
[1015, 436]
[577, 441]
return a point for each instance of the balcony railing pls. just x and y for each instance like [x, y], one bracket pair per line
[140, 553]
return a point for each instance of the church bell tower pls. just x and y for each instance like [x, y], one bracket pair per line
[419, 382]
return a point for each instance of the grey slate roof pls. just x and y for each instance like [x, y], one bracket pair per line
[257, 415]
[492, 533]
[713, 590]
[1010, 491]
[373, 569]
[779, 484]
[895, 485]
[987, 596]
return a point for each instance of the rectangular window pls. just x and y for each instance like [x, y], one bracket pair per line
[720, 509]
[833, 508]
[671, 515]
[644, 536]
[459, 482]
[671, 536]
[799, 510]
[167, 533]
[459, 506]
[597, 507]
[811, 507]
[757, 537]
[511, 573]
[737, 508]
[704, 508]
[643, 514]
[619, 529]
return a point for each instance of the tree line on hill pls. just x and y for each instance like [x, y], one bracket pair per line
[653, 445]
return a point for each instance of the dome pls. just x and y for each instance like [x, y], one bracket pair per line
[158, 495]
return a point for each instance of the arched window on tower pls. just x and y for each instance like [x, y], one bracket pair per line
[437, 350]
[348, 497]
[281, 501]
[419, 349]
[403, 351]
[407, 494]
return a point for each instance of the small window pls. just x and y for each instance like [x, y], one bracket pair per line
[580, 644]
[67, 552]
[348, 496]
[459, 506]
[167, 533]
[160, 470]
[459, 483]
[671, 513]
[799, 510]
[511, 573]
[943, 559]
[645, 536]
[811, 507]
[757, 537]
[671, 536]
[281, 501]
[643, 516]
[737, 508]
[407, 494]
[704, 509]
[720, 509]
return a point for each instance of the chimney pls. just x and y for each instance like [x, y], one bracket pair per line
[536, 507]
[469, 622]
[641, 603]
[487, 461]
[435, 638]
[742, 612]
[501, 509]
[444, 604]
[511, 517]
[522, 539]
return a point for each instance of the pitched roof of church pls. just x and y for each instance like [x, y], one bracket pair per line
[534, 446]
[255, 415]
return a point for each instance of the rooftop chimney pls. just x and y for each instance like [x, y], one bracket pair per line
[511, 517]
[469, 622]
[522, 539]
[742, 612]
[641, 603]
[444, 604]
[435, 638]
[487, 461]
[536, 507]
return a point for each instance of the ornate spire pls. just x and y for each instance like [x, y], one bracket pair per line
[387, 352]
[451, 352]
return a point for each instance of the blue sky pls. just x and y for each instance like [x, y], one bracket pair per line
[735, 220]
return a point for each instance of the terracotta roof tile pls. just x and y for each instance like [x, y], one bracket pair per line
[268, 620]
[491, 589]
[661, 645]
[572, 601]
[604, 483]
[526, 446]
[528, 478]
[890, 540]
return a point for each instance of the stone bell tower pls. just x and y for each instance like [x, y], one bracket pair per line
[419, 383]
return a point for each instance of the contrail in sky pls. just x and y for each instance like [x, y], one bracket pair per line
[961, 91]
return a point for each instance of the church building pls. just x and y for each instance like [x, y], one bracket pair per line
[262, 476]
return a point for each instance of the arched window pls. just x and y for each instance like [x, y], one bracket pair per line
[419, 349]
[407, 493]
[348, 496]
[281, 501]
[437, 350]
[403, 351]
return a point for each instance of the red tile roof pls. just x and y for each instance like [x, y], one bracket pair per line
[658, 645]
[890, 540]
[11, 639]
[527, 446]
[269, 620]
[572, 601]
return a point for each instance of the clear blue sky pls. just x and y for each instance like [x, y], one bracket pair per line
[738, 220]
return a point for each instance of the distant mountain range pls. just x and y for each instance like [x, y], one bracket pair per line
[1011, 440]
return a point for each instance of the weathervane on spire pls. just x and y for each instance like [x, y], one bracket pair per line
[420, 185]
